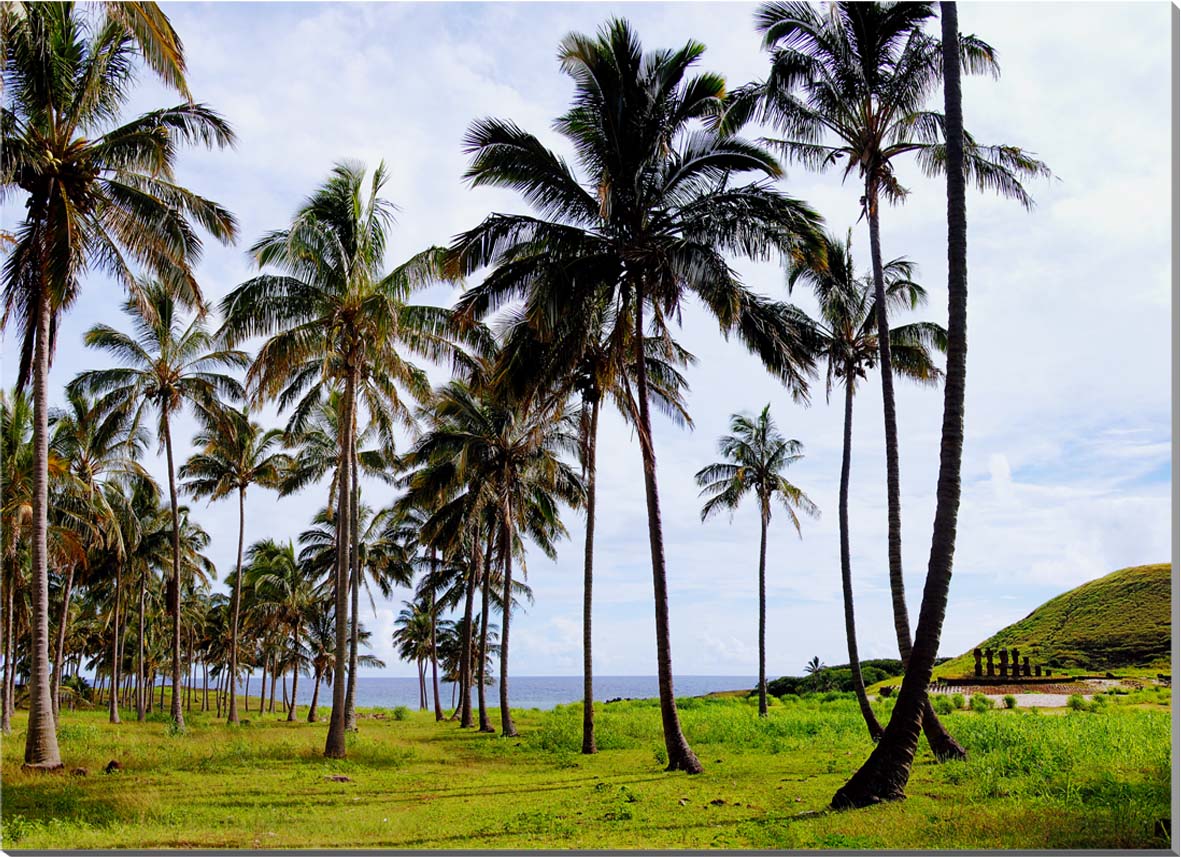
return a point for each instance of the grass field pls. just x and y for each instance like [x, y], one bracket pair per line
[1053, 779]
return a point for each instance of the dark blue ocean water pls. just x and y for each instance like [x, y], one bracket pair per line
[542, 692]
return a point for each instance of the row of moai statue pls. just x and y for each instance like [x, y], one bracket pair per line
[1010, 661]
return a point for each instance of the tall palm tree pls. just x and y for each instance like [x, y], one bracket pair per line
[852, 83]
[235, 452]
[95, 195]
[755, 455]
[847, 335]
[336, 318]
[885, 774]
[167, 363]
[413, 642]
[651, 224]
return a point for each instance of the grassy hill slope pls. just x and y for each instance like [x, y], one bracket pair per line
[1120, 620]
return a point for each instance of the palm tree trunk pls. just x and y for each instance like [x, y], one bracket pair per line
[465, 655]
[177, 714]
[312, 718]
[871, 721]
[350, 712]
[680, 755]
[942, 744]
[232, 717]
[334, 747]
[140, 688]
[262, 693]
[116, 642]
[41, 751]
[204, 685]
[9, 670]
[764, 516]
[434, 646]
[60, 653]
[508, 729]
[885, 774]
[276, 671]
[421, 666]
[294, 674]
[481, 665]
[588, 681]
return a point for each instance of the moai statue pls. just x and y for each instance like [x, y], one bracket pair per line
[1025, 666]
[976, 655]
[1037, 670]
[991, 668]
[1004, 663]
[1015, 664]
[1047, 672]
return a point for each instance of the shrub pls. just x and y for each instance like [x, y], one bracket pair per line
[401, 712]
[942, 705]
[1010, 701]
[886, 692]
[957, 700]
[1076, 702]
[981, 703]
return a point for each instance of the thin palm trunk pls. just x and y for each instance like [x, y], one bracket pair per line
[508, 729]
[60, 651]
[335, 745]
[871, 721]
[588, 681]
[465, 655]
[41, 750]
[9, 652]
[434, 648]
[294, 673]
[350, 711]
[942, 744]
[232, 717]
[116, 642]
[262, 693]
[481, 665]
[140, 688]
[885, 774]
[276, 671]
[177, 714]
[764, 517]
[312, 718]
[680, 755]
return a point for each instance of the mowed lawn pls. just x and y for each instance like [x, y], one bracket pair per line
[1051, 779]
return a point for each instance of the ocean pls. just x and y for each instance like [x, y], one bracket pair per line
[542, 692]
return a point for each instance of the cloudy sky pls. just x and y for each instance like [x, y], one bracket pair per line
[1066, 460]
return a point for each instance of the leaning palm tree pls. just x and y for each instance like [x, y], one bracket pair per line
[847, 334]
[337, 319]
[96, 195]
[755, 455]
[651, 224]
[885, 774]
[167, 363]
[234, 453]
[851, 83]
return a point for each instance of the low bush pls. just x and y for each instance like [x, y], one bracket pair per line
[981, 703]
[1076, 702]
[957, 700]
[1010, 701]
[942, 704]
[401, 712]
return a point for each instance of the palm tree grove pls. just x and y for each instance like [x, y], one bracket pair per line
[443, 437]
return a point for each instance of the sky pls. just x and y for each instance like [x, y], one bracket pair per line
[1067, 452]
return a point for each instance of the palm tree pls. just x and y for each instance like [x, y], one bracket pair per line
[235, 453]
[167, 364]
[336, 319]
[755, 455]
[413, 642]
[847, 334]
[851, 83]
[95, 196]
[885, 774]
[652, 223]
[815, 665]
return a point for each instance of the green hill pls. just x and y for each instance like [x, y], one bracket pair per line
[1121, 620]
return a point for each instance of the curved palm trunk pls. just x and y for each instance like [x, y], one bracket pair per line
[508, 729]
[588, 681]
[177, 713]
[482, 665]
[680, 756]
[885, 774]
[116, 644]
[141, 693]
[942, 744]
[41, 750]
[232, 716]
[764, 517]
[871, 722]
[335, 745]
[465, 655]
[315, 697]
[421, 665]
[350, 711]
[60, 650]
[434, 648]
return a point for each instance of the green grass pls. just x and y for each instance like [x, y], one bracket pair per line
[1120, 621]
[1090, 779]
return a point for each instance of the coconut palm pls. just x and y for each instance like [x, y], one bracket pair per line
[412, 640]
[95, 195]
[336, 318]
[651, 224]
[235, 452]
[852, 83]
[167, 363]
[885, 774]
[847, 333]
[755, 455]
